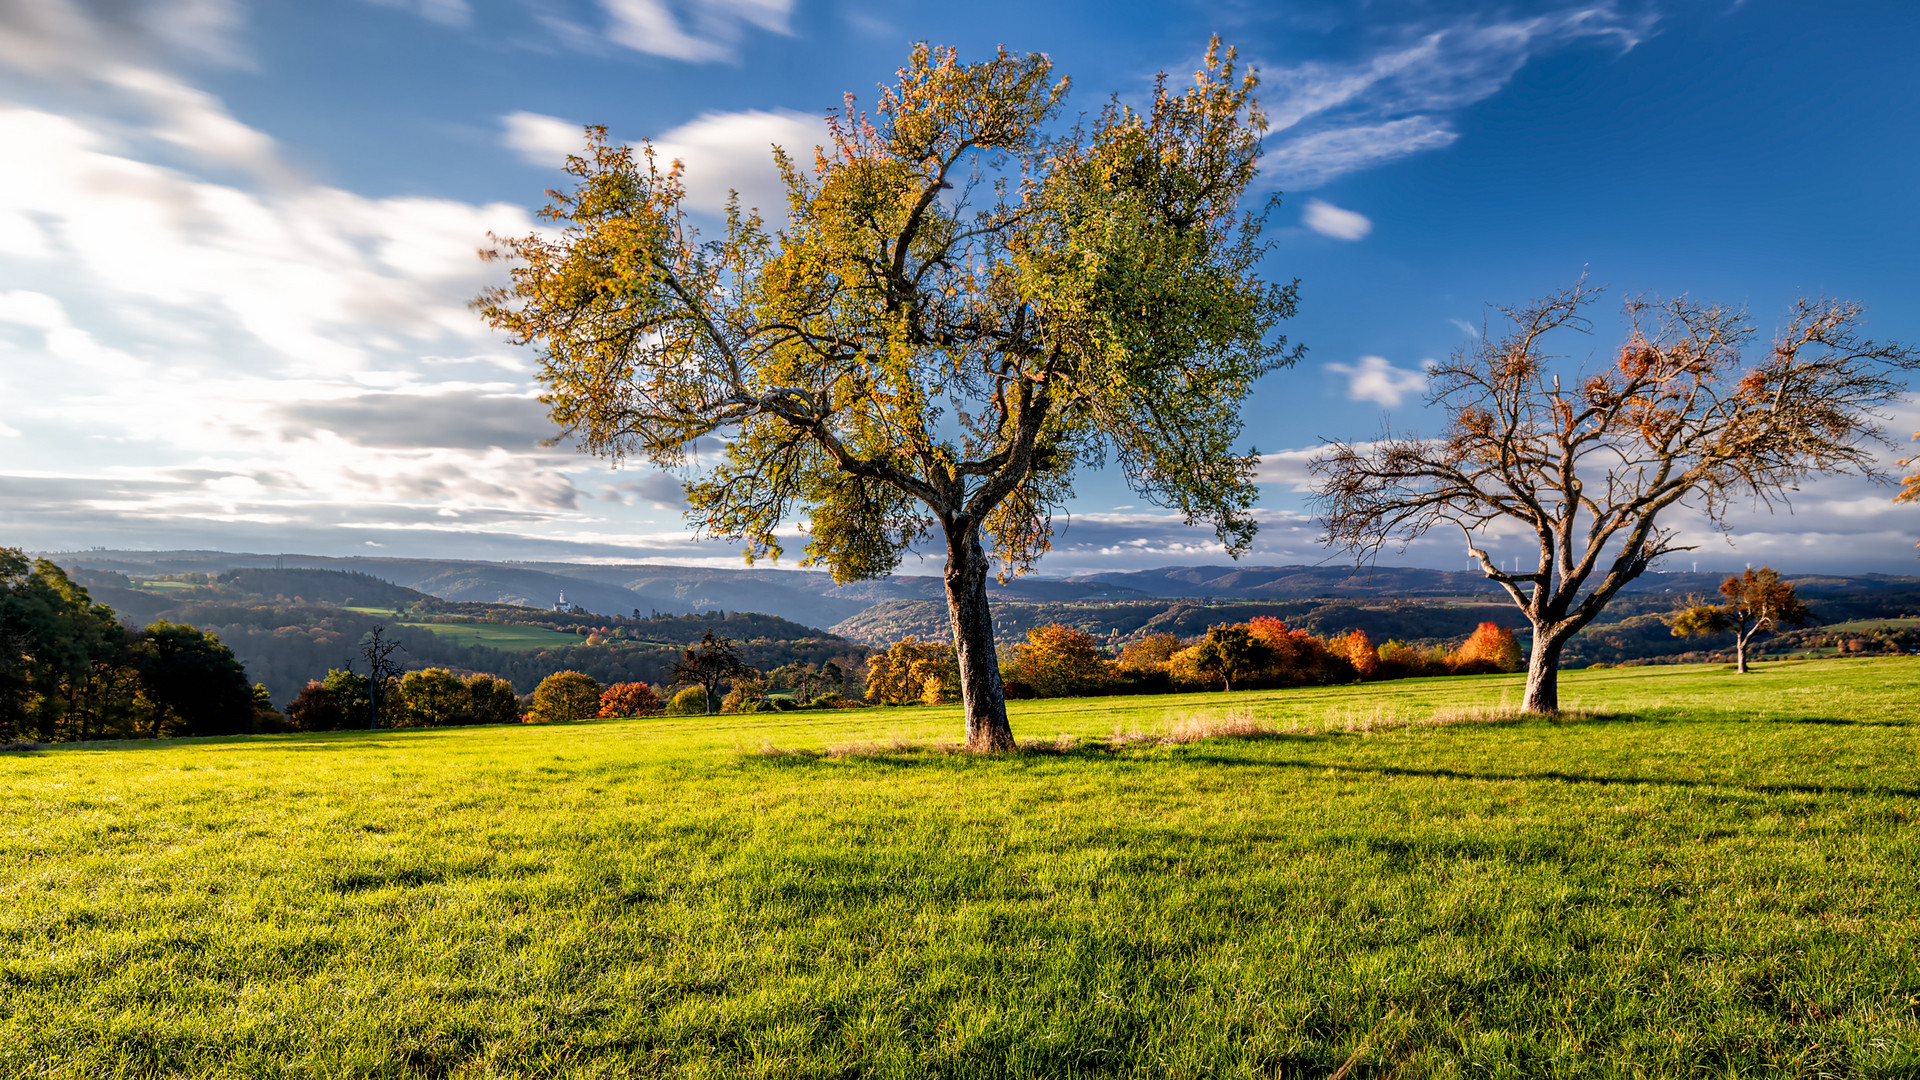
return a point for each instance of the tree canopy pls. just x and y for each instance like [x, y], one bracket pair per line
[968, 300]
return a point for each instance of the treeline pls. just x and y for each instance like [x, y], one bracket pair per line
[430, 697]
[1260, 653]
[71, 670]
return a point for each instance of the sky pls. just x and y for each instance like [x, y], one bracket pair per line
[237, 240]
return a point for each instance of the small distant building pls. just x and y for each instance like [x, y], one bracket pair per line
[565, 608]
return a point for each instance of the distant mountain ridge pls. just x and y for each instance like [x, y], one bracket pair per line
[810, 597]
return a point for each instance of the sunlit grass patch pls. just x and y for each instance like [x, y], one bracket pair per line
[1714, 875]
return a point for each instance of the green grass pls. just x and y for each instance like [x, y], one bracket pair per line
[1860, 626]
[153, 585]
[1722, 879]
[511, 637]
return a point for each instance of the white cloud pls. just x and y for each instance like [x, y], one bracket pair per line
[1339, 118]
[734, 151]
[1330, 220]
[693, 30]
[1466, 327]
[541, 140]
[720, 152]
[1374, 379]
[316, 273]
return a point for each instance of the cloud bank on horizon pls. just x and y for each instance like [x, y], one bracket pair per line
[233, 290]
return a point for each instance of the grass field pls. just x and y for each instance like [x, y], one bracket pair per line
[499, 636]
[1716, 876]
[1860, 626]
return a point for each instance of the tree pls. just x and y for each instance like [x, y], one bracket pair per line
[1231, 653]
[714, 662]
[1589, 468]
[564, 696]
[967, 301]
[377, 649]
[1059, 661]
[193, 682]
[1758, 602]
[629, 699]
[910, 671]
[431, 697]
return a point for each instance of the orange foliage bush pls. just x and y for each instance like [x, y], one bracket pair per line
[1490, 648]
[630, 699]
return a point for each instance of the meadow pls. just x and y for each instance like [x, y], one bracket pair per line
[1699, 874]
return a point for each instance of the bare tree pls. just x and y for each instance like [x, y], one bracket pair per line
[1588, 468]
[1758, 602]
[377, 649]
[715, 662]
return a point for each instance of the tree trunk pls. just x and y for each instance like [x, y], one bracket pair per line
[1543, 672]
[1740, 653]
[981, 694]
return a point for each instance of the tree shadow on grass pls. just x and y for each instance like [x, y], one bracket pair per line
[1554, 776]
[1124, 751]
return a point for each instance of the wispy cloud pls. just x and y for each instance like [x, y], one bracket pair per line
[1376, 379]
[1466, 327]
[444, 12]
[692, 30]
[1329, 119]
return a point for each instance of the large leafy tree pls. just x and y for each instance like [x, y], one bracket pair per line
[1587, 466]
[968, 299]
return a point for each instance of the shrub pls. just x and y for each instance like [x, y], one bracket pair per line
[1490, 648]
[1398, 660]
[629, 699]
[564, 696]
[1357, 649]
[491, 700]
[689, 702]
[742, 697]
[317, 708]
[1150, 653]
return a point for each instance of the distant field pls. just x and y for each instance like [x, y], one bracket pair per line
[497, 636]
[1865, 625]
[163, 586]
[1718, 877]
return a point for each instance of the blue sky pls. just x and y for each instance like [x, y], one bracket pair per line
[236, 240]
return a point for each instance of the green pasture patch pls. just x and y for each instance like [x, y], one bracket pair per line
[510, 637]
[1718, 876]
[1862, 626]
[152, 585]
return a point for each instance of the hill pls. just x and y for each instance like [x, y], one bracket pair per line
[1410, 604]
[290, 625]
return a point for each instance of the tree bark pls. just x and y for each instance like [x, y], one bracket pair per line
[1543, 671]
[1740, 652]
[981, 694]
